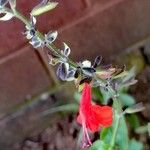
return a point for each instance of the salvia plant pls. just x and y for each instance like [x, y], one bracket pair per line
[110, 120]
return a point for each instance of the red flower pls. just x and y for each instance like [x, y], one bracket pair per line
[91, 116]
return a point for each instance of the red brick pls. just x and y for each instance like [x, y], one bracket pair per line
[11, 31]
[66, 12]
[11, 36]
[109, 30]
[100, 2]
[21, 75]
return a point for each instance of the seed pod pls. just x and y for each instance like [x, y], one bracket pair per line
[97, 61]
[66, 50]
[50, 37]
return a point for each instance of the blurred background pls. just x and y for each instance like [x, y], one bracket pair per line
[118, 30]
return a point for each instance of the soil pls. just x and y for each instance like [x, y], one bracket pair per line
[60, 136]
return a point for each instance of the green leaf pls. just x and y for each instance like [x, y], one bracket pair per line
[141, 129]
[99, 145]
[106, 96]
[135, 145]
[122, 134]
[98, 94]
[124, 73]
[148, 127]
[126, 99]
[135, 108]
[133, 120]
[40, 10]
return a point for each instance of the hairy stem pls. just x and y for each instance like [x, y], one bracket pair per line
[112, 143]
[53, 48]
[117, 115]
[102, 82]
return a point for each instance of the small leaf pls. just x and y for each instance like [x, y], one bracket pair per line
[141, 129]
[130, 76]
[36, 42]
[133, 121]
[122, 74]
[44, 8]
[99, 145]
[135, 145]
[126, 99]
[106, 96]
[67, 50]
[7, 17]
[33, 20]
[70, 75]
[135, 108]
[51, 37]
[62, 71]
[97, 61]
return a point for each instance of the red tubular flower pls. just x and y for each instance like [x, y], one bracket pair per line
[91, 116]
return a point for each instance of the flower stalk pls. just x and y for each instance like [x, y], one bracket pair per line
[90, 116]
[52, 47]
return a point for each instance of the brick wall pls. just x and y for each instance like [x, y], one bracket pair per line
[90, 27]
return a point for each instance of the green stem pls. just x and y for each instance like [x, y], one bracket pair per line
[52, 47]
[117, 115]
[41, 36]
[112, 143]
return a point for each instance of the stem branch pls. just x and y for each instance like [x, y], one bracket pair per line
[102, 82]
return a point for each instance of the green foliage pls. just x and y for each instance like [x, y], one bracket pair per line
[99, 145]
[126, 99]
[105, 96]
[122, 134]
[148, 127]
[98, 94]
[135, 145]
[122, 141]
[133, 121]
[44, 8]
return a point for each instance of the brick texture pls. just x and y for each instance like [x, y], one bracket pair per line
[100, 2]
[11, 31]
[109, 30]
[21, 75]
[89, 27]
